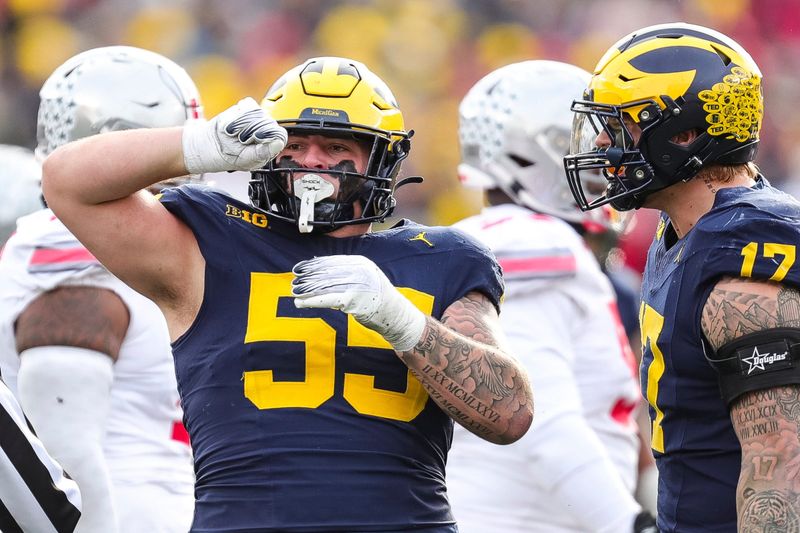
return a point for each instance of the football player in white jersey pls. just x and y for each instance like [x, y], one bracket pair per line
[88, 357]
[20, 174]
[35, 494]
[576, 470]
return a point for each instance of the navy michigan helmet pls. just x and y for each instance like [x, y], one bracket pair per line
[667, 80]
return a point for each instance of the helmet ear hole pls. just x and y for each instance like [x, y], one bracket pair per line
[686, 137]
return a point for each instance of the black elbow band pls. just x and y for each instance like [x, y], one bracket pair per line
[755, 361]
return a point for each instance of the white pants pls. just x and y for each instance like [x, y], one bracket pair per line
[152, 508]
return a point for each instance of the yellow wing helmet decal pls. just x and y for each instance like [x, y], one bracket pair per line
[616, 81]
[734, 107]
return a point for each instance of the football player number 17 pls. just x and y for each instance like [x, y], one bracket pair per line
[768, 250]
[264, 324]
[651, 324]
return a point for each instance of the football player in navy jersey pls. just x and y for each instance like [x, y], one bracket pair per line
[671, 118]
[320, 365]
[576, 469]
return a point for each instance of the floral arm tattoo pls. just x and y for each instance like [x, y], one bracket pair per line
[462, 365]
[767, 421]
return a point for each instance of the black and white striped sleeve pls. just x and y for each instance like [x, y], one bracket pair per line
[35, 494]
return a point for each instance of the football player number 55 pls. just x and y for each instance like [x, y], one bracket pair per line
[264, 324]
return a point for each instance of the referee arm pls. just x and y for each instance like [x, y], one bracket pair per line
[35, 493]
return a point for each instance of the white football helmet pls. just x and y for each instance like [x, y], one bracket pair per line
[514, 130]
[20, 177]
[113, 88]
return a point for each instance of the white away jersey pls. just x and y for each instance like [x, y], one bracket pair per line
[561, 320]
[145, 441]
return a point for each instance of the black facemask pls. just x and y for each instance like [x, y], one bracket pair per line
[329, 209]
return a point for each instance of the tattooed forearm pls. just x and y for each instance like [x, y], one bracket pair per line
[458, 414]
[754, 414]
[766, 421]
[767, 424]
[469, 376]
[769, 510]
[789, 404]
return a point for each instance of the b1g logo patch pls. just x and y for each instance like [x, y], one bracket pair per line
[764, 358]
[256, 219]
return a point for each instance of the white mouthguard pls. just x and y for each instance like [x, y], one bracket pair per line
[310, 188]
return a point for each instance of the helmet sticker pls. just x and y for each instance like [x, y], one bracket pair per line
[331, 114]
[733, 106]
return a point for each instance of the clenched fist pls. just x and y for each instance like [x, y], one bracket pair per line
[243, 137]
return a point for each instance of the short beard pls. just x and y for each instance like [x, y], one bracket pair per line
[325, 210]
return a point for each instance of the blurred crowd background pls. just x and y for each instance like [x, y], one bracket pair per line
[429, 52]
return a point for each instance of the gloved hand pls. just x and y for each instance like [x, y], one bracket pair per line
[355, 285]
[644, 523]
[243, 137]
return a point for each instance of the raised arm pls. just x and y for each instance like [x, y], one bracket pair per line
[766, 419]
[460, 361]
[95, 186]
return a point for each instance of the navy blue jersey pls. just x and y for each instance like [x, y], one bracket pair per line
[302, 419]
[749, 232]
[627, 303]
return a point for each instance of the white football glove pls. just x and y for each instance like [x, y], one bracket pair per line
[355, 285]
[243, 137]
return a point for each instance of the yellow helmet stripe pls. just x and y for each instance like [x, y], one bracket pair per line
[647, 85]
[332, 81]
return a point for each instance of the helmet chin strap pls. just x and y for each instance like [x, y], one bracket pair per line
[310, 189]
